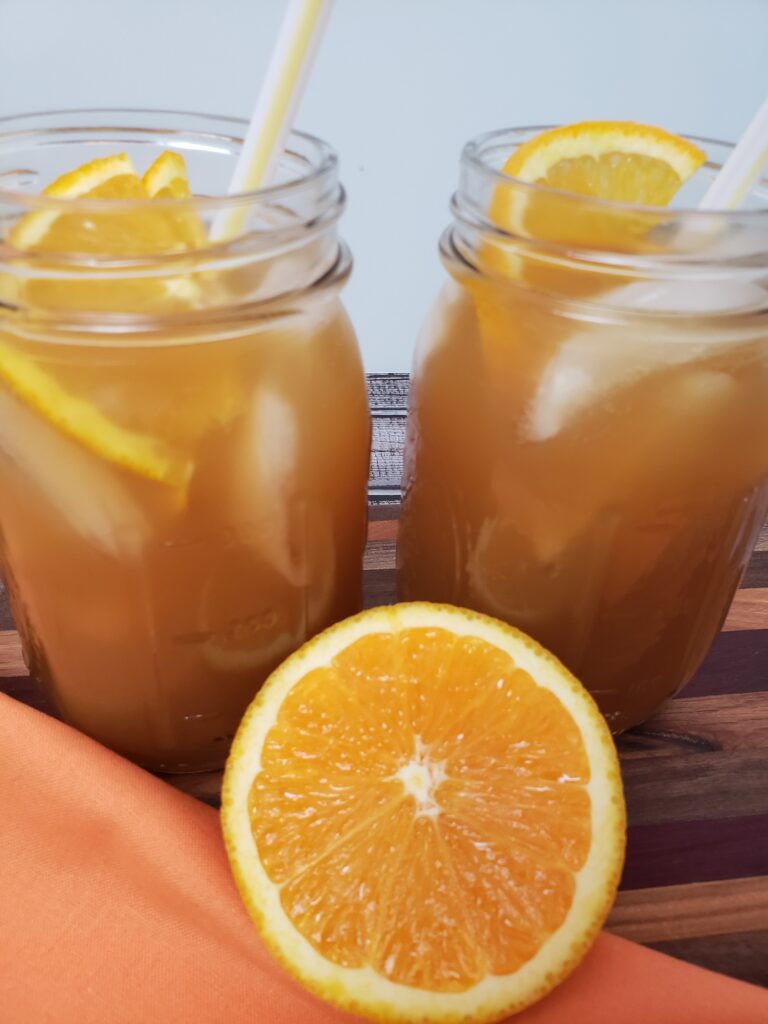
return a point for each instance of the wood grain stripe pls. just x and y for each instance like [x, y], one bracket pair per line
[384, 511]
[688, 911]
[380, 554]
[749, 610]
[741, 955]
[23, 689]
[696, 787]
[728, 722]
[382, 530]
[681, 852]
[6, 619]
[11, 658]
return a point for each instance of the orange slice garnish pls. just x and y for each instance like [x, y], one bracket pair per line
[609, 160]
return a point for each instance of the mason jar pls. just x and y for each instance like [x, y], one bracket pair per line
[587, 454]
[184, 429]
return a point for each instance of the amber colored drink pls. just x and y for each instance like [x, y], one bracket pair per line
[594, 477]
[151, 610]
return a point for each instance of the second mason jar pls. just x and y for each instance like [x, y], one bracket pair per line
[586, 454]
[184, 429]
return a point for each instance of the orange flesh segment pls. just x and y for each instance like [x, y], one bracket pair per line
[145, 232]
[433, 892]
[632, 179]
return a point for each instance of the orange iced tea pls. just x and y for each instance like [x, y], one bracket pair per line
[589, 468]
[183, 439]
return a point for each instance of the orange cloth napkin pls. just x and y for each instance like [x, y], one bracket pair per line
[117, 907]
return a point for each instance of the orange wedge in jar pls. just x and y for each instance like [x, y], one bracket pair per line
[151, 438]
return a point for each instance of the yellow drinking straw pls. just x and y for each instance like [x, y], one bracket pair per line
[281, 92]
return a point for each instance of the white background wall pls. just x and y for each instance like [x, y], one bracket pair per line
[399, 85]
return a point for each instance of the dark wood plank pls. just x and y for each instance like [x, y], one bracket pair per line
[682, 852]
[22, 688]
[380, 588]
[742, 955]
[737, 662]
[6, 619]
[205, 786]
[388, 513]
[696, 787]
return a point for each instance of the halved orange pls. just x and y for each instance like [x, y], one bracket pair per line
[423, 812]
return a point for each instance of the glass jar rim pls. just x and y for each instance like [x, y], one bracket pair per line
[323, 163]
[284, 244]
[474, 155]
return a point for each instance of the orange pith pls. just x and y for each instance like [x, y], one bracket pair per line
[423, 808]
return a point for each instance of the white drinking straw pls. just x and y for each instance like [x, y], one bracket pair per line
[742, 168]
[281, 92]
[728, 191]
